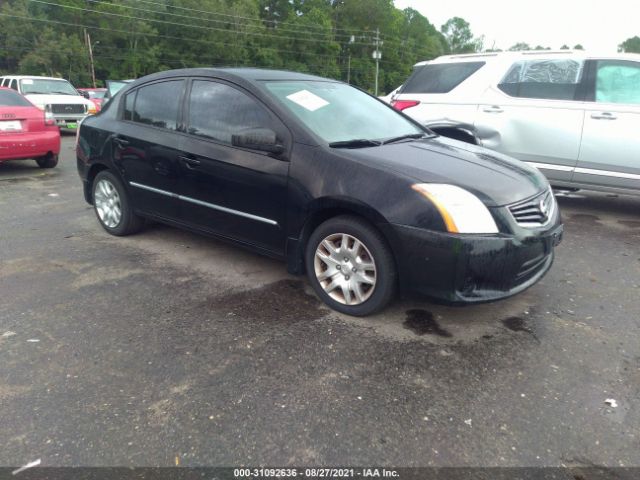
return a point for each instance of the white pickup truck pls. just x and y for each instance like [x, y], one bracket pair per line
[55, 95]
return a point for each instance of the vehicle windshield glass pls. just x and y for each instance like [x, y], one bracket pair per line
[337, 112]
[46, 86]
[9, 98]
[96, 93]
[114, 86]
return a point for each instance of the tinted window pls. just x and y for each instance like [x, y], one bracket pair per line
[546, 79]
[217, 111]
[12, 99]
[14, 84]
[158, 104]
[440, 78]
[128, 105]
[618, 82]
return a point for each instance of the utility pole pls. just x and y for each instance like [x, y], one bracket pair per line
[93, 72]
[377, 55]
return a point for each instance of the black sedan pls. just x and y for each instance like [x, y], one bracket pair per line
[324, 176]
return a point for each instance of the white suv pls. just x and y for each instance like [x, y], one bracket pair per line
[573, 115]
[55, 95]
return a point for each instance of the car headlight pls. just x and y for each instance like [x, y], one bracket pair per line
[461, 210]
[91, 109]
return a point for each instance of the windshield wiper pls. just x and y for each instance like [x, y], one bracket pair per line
[356, 143]
[63, 93]
[404, 137]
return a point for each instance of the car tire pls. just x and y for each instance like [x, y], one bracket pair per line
[358, 280]
[112, 206]
[48, 161]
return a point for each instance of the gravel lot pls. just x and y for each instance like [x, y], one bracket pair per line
[167, 346]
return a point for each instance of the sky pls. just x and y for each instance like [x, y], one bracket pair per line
[598, 26]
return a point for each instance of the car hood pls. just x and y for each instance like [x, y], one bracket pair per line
[41, 99]
[494, 178]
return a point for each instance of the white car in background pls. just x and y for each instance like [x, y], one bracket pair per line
[54, 95]
[573, 115]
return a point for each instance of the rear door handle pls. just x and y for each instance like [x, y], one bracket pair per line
[190, 162]
[493, 109]
[603, 116]
[121, 142]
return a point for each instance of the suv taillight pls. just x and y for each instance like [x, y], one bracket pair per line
[48, 116]
[404, 104]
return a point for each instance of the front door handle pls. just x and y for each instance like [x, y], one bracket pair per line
[493, 109]
[121, 142]
[190, 162]
[603, 116]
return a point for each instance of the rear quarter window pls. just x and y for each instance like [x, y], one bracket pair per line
[440, 78]
[543, 79]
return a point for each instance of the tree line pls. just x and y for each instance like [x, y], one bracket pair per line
[131, 38]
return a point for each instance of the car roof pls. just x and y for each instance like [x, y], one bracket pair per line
[20, 77]
[549, 54]
[250, 75]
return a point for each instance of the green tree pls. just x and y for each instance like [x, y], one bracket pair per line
[519, 47]
[578, 47]
[630, 45]
[460, 39]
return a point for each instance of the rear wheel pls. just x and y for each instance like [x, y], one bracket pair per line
[48, 161]
[350, 266]
[112, 206]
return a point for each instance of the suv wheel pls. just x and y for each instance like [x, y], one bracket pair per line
[112, 206]
[350, 266]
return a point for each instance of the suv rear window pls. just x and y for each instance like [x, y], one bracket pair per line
[440, 78]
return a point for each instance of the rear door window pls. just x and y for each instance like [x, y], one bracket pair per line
[618, 81]
[440, 78]
[556, 79]
[14, 84]
[158, 104]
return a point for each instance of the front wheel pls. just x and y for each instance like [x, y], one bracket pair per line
[112, 206]
[350, 266]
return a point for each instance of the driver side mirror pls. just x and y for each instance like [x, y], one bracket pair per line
[85, 94]
[262, 139]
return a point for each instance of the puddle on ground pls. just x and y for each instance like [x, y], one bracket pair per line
[630, 223]
[518, 324]
[422, 322]
[585, 217]
[284, 301]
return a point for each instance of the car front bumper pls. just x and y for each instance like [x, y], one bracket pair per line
[462, 269]
[29, 145]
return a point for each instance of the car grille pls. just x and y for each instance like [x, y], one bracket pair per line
[535, 212]
[68, 108]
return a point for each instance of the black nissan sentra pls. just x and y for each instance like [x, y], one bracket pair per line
[324, 176]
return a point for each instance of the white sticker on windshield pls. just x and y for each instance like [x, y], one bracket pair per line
[27, 81]
[308, 100]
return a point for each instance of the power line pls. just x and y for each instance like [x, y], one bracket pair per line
[128, 32]
[71, 7]
[299, 29]
[244, 18]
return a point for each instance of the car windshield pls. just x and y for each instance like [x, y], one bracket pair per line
[114, 86]
[9, 98]
[337, 112]
[96, 93]
[46, 86]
